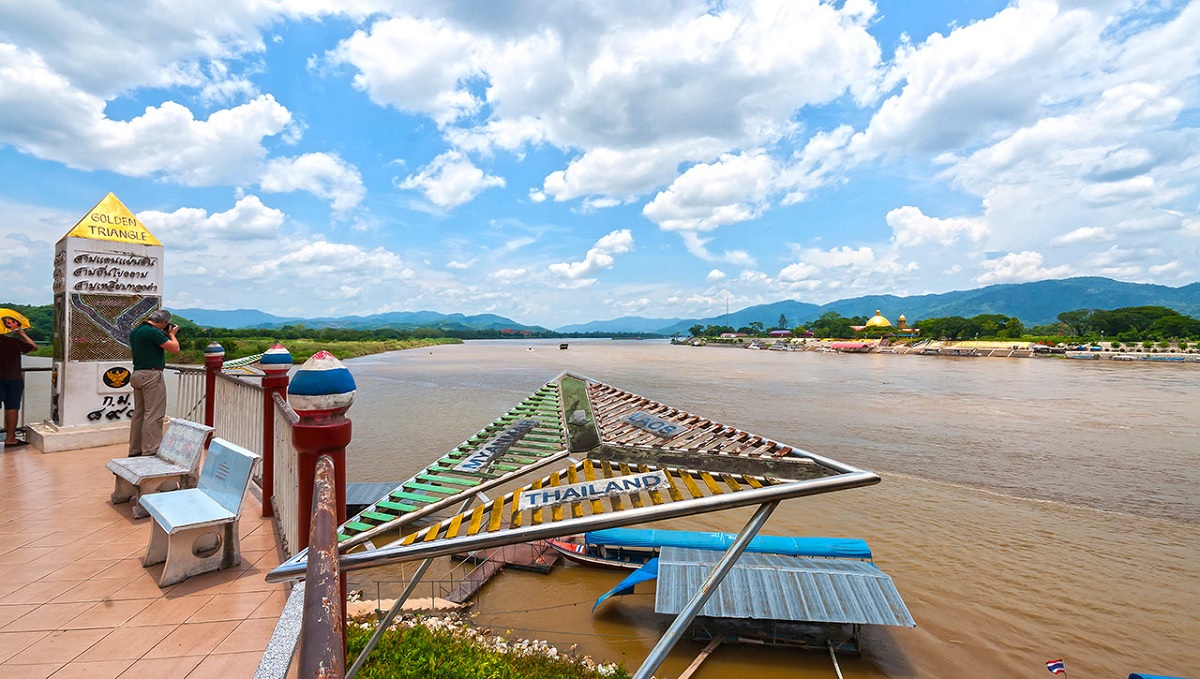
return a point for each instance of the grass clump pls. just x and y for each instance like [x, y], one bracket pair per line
[449, 648]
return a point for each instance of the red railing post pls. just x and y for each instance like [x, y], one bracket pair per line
[275, 365]
[214, 359]
[321, 392]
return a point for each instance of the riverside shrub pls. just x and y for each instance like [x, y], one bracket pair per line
[446, 648]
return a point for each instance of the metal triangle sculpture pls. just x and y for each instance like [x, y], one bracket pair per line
[626, 460]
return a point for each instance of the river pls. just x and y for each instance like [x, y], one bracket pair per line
[1030, 509]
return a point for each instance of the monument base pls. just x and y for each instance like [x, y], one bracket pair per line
[51, 438]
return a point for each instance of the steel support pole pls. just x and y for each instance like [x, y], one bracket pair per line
[685, 617]
[387, 620]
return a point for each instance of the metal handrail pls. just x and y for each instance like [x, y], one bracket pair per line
[399, 552]
[322, 654]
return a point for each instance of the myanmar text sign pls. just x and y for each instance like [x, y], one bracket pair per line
[480, 459]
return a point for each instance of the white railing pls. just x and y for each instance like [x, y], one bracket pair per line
[287, 477]
[189, 393]
[238, 416]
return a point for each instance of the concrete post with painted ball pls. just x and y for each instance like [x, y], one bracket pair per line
[275, 364]
[321, 391]
[214, 360]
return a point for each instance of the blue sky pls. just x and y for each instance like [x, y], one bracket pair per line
[571, 161]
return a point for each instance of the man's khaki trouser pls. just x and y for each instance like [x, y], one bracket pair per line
[149, 407]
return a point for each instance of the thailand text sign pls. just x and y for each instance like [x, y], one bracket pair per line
[592, 490]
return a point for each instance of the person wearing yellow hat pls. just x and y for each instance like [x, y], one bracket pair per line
[13, 343]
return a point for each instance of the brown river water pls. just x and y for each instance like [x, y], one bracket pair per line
[1030, 509]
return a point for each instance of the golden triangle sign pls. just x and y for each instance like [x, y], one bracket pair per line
[111, 220]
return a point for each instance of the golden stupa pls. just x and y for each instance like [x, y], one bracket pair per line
[878, 321]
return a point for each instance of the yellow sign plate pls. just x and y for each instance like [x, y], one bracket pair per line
[111, 220]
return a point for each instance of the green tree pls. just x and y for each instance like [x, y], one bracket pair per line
[695, 330]
[1078, 322]
[783, 324]
[756, 327]
[832, 324]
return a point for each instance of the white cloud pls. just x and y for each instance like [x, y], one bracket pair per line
[598, 258]
[190, 228]
[1109, 193]
[707, 196]
[1019, 267]
[321, 174]
[1084, 234]
[509, 275]
[630, 91]
[462, 266]
[911, 227]
[715, 275]
[164, 141]
[416, 64]
[450, 180]
[799, 272]
[323, 260]
[995, 73]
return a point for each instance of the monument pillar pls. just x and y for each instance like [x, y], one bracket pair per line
[108, 276]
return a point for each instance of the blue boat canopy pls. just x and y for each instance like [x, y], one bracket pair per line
[843, 548]
[1137, 675]
[648, 571]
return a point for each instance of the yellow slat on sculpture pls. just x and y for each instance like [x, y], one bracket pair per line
[691, 485]
[476, 520]
[455, 523]
[589, 474]
[615, 500]
[655, 496]
[556, 513]
[672, 489]
[636, 498]
[573, 478]
[713, 486]
[496, 512]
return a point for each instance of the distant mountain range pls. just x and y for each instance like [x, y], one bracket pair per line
[1034, 303]
[400, 320]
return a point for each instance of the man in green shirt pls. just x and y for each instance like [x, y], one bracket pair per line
[149, 343]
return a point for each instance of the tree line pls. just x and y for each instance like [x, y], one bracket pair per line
[1126, 324]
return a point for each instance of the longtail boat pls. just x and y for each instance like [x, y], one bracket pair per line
[631, 548]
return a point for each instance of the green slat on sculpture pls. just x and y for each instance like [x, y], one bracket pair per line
[441, 481]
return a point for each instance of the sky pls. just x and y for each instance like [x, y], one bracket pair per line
[561, 162]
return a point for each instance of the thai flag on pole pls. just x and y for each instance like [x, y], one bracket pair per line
[1056, 666]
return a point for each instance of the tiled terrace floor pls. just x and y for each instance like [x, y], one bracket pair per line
[75, 600]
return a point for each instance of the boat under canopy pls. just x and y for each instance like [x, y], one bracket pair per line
[841, 548]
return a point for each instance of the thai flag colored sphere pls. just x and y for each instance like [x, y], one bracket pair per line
[277, 359]
[322, 384]
[214, 350]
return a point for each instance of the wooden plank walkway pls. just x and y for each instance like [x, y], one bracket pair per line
[529, 556]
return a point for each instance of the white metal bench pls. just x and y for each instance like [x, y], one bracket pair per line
[196, 529]
[173, 467]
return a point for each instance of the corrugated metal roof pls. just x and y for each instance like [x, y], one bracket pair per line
[775, 587]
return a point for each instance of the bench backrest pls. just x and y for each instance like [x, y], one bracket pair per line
[226, 474]
[183, 442]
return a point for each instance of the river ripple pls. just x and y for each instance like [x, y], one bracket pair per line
[1030, 508]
